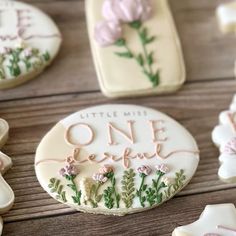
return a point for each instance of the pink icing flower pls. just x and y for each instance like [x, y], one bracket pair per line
[163, 168]
[5, 50]
[28, 52]
[109, 10]
[106, 169]
[127, 10]
[69, 170]
[100, 178]
[144, 170]
[230, 147]
[107, 33]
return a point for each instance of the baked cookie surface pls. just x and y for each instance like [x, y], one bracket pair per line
[224, 136]
[216, 220]
[135, 47]
[29, 41]
[116, 159]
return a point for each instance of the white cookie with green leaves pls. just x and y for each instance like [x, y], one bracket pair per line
[29, 41]
[116, 159]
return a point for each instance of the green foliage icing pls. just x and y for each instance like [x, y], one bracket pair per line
[142, 189]
[177, 185]
[128, 189]
[110, 194]
[145, 59]
[94, 197]
[12, 60]
[56, 187]
[76, 198]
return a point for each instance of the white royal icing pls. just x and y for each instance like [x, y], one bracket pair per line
[224, 136]
[216, 220]
[6, 193]
[90, 127]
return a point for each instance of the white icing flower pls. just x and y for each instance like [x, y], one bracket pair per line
[167, 181]
[100, 178]
[163, 168]
[5, 50]
[144, 170]
[28, 52]
[20, 43]
[224, 136]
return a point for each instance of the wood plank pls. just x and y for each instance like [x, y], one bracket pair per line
[196, 106]
[208, 54]
[160, 221]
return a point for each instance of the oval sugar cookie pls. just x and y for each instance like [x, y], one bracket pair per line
[116, 159]
[29, 41]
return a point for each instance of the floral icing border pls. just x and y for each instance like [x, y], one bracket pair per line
[133, 13]
[13, 59]
[161, 189]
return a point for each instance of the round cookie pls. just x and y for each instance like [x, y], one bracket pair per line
[116, 159]
[29, 41]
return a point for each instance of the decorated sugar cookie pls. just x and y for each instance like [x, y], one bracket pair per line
[224, 136]
[216, 220]
[6, 194]
[226, 14]
[116, 159]
[134, 44]
[29, 41]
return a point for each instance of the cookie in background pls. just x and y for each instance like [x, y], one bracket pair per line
[29, 41]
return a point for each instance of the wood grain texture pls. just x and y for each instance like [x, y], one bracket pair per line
[194, 106]
[160, 221]
[70, 84]
[73, 69]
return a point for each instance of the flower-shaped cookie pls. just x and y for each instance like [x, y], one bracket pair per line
[6, 193]
[224, 136]
[216, 220]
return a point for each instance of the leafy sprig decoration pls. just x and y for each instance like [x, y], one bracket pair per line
[94, 196]
[143, 171]
[128, 189]
[177, 185]
[70, 172]
[110, 194]
[56, 187]
[145, 59]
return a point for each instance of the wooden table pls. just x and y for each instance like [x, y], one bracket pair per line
[70, 84]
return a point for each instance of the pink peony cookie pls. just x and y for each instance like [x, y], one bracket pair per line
[224, 136]
[29, 41]
[216, 220]
[116, 159]
[134, 44]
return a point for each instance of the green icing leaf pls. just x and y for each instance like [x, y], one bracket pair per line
[124, 54]
[128, 188]
[56, 187]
